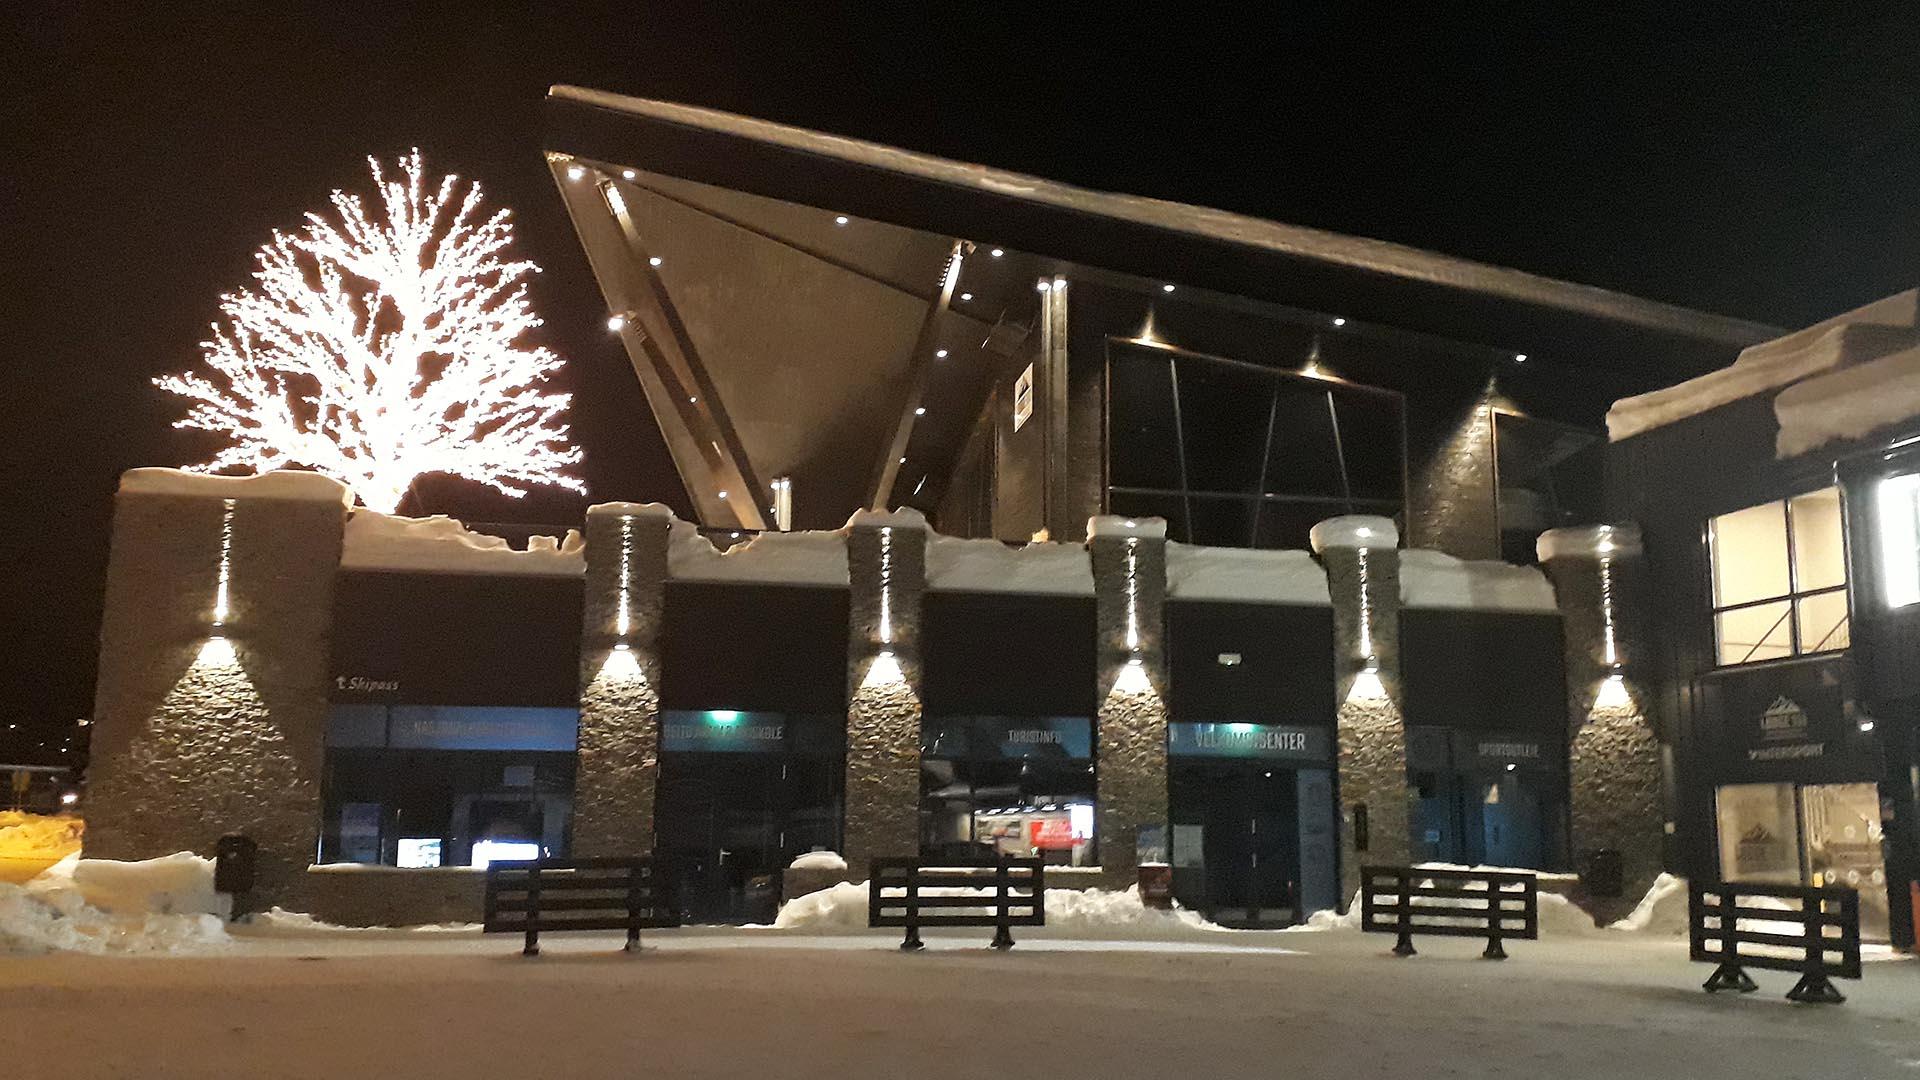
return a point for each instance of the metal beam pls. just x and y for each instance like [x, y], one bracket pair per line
[920, 371]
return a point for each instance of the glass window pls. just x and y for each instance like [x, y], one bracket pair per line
[1550, 475]
[1780, 579]
[1758, 837]
[1897, 507]
[1266, 454]
[997, 785]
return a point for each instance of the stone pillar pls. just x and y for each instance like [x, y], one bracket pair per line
[619, 759]
[1615, 760]
[1130, 590]
[886, 576]
[1363, 575]
[211, 703]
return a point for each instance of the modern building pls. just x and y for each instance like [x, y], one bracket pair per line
[1777, 500]
[1125, 487]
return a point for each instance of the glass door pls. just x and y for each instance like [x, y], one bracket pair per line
[1840, 834]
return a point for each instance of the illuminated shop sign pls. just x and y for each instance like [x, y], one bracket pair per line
[722, 731]
[452, 727]
[1008, 737]
[1268, 741]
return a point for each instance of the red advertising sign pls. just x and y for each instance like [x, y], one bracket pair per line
[1051, 834]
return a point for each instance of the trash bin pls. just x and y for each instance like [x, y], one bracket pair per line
[1156, 885]
[234, 864]
[1605, 874]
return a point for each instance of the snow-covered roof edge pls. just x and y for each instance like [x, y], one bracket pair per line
[1434, 579]
[288, 484]
[1040, 568]
[770, 558]
[1245, 575]
[444, 545]
[1588, 541]
[1766, 366]
[630, 509]
[1373, 256]
[1847, 403]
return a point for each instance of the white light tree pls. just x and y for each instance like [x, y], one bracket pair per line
[376, 351]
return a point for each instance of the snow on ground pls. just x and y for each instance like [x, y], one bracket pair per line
[278, 921]
[844, 907]
[831, 861]
[1663, 911]
[164, 905]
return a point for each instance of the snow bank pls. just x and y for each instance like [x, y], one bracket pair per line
[779, 558]
[1245, 574]
[1848, 403]
[1861, 334]
[277, 921]
[164, 905]
[1433, 579]
[1589, 542]
[955, 565]
[1662, 911]
[440, 544]
[844, 907]
[818, 860]
[279, 484]
[1354, 531]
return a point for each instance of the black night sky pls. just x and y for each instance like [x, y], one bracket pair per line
[1765, 166]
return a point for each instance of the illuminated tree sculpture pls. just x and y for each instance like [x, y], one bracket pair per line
[377, 351]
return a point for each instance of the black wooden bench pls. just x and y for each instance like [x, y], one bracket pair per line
[913, 892]
[1489, 904]
[528, 897]
[1821, 940]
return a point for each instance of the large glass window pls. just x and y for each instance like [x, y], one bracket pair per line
[1240, 455]
[1897, 508]
[1549, 475]
[447, 785]
[1819, 834]
[999, 785]
[1780, 579]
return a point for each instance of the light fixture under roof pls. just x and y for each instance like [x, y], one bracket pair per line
[1043, 286]
[575, 172]
[921, 411]
[966, 296]
[626, 174]
[996, 253]
[939, 354]
[903, 461]
[1167, 287]
[1519, 358]
[616, 323]
[840, 220]
[653, 261]
[1338, 321]
[723, 494]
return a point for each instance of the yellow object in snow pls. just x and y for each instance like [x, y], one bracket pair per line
[29, 843]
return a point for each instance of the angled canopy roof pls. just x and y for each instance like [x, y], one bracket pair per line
[781, 285]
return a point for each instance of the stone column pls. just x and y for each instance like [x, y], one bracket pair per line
[1615, 759]
[1130, 591]
[886, 576]
[1363, 575]
[619, 759]
[211, 703]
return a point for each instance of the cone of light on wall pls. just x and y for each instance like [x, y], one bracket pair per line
[1367, 686]
[1613, 693]
[885, 671]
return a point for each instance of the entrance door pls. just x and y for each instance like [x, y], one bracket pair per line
[719, 819]
[1248, 841]
[1841, 832]
[1512, 823]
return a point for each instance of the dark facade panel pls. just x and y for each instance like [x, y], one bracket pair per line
[1003, 654]
[749, 647]
[1250, 663]
[1483, 670]
[456, 639]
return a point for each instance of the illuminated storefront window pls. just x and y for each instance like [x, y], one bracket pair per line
[1006, 785]
[1780, 579]
[1897, 510]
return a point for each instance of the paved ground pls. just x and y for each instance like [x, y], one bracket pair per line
[743, 1005]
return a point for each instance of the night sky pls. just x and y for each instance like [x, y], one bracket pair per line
[1768, 170]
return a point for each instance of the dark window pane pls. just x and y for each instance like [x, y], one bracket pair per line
[1370, 439]
[1224, 522]
[1144, 452]
[1286, 525]
[1303, 461]
[1169, 507]
[1550, 475]
[1223, 413]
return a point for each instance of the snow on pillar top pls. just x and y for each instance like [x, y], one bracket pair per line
[627, 509]
[1588, 541]
[1126, 528]
[288, 484]
[903, 518]
[1354, 531]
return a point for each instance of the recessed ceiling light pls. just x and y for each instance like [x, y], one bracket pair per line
[841, 220]
[1519, 358]
[575, 172]
[626, 174]
[939, 354]
[1338, 321]
[966, 296]
[922, 411]
[1166, 288]
[654, 261]
[997, 253]
[616, 323]
[1043, 286]
[723, 494]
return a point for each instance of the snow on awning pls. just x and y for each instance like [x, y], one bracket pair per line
[955, 565]
[1857, 337]
[772, 558]
[291, 484]
[1434, 579]
[1245, 575]
[443, 545]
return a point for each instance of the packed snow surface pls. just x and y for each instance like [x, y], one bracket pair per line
[440, 544]
[1433, 579]
[818, 860]
[278, 484]
[279, 921]
[1245, 574]
[164, 905]
[780, 558]
[1354, 531]
[955, 565]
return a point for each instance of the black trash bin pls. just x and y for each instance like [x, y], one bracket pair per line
[235, 862]
[1605, 874]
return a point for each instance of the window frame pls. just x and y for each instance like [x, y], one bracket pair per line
[1794, 595]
